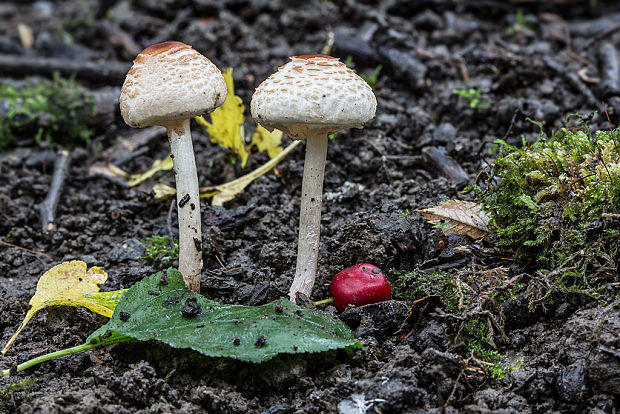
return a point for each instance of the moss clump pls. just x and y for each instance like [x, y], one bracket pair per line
[22, 385]
[54, 111]
[470, 298]
[556, 202]
[415, 284]
[158, 249]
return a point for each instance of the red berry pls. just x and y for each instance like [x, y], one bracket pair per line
[359, 285]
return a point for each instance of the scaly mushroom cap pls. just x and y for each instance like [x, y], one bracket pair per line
[168, 83]
[313, 92]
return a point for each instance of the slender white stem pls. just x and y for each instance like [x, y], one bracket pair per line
[190, 231]
[310, 214]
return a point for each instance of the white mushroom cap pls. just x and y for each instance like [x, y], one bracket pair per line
[313, 92]
[168, 83]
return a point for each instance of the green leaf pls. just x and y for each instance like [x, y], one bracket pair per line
[160, 308]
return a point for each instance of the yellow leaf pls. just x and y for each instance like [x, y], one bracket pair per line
[107, 169]
[226, 127]
[229, 190]
[165, 192]
[267, 141]
[70, 284]
[158, 165]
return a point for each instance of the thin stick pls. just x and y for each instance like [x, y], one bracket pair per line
[100, 72]
[600, 160]
[14, 246]
[47, 208]
[601, 36]
[456, 383]
[611, 131]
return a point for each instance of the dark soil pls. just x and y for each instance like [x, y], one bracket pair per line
[569, 354]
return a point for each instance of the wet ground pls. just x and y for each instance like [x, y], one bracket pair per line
[541, 60]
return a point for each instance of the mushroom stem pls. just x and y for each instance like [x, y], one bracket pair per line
[188, 202]
[310, 214]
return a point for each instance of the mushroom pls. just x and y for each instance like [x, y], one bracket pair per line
[308, 98]
[168, 84]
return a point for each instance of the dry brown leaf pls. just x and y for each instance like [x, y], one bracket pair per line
[464, 217]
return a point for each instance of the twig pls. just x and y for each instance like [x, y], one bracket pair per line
[573, 79]
[47, 208]
[329, 43]
[456, 383]
[14, 246]
[220, 262]
[601, 36]
[436, 159]
[446, 266]
[512, 122]
[112, 73]
[611, 131]
[418, 308]
[609, 59]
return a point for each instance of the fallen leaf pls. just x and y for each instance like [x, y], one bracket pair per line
[463, 217]
[25, 35]
[158, 165]
[169, 313]
[165, 192]
[110, 170]
[227, 191]
[226, 126]
[70, 284]
[264, 140]
[161, 308]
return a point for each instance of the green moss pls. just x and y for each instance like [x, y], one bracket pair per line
[473, 96]
[54, 111]
[499, 370]
[474, 335]
[158, 249]
[22, 385]
[476, 339]
[556, 202]
[415, 284]
[556, 205]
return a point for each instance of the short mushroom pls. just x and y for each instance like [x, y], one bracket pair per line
[168, 84]
[308, 98]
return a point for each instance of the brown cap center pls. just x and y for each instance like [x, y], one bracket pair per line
[313, 56]
[158, 48]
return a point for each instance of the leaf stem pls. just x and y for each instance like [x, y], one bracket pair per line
[324, 301]
[64, 352]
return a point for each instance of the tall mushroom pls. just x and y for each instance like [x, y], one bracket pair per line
[308, 98]
[168, 84]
